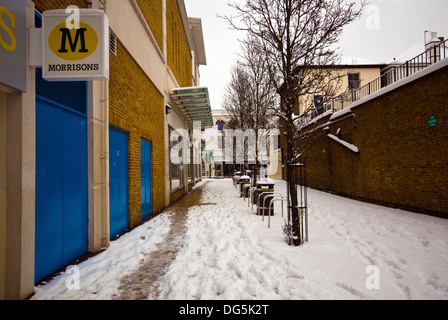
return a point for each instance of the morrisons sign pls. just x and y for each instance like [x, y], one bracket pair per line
[76, 45]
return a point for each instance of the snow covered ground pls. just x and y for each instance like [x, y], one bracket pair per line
[356, 251]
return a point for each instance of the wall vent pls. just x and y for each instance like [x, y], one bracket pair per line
[112, 42]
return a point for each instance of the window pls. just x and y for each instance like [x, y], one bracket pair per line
[220, 126]
[176, 162]
[191, 165]
[353, 81]
[318, 104]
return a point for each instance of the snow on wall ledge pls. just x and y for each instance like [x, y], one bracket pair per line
[346, 144]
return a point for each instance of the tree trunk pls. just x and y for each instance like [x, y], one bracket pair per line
[256, 161]
[291, 177]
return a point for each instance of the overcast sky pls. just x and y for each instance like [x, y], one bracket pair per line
[388, 29]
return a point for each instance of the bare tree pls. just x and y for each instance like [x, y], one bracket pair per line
[237, 102]
[296, 37]
[250, 96]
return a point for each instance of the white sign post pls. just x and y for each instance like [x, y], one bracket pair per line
[75, 51]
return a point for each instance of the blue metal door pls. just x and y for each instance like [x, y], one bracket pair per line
[61, 188]
[146, 201]
[118, 182]
[75, 206]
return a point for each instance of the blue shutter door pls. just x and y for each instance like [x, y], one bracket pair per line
[61, 188]
[75, 206]
[49, 177]
[146, 201]
[118, 182]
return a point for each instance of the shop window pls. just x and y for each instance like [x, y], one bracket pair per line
[191, 165]
[176, 165]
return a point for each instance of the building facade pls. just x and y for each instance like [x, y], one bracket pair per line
[346, 77]
[218, 167]
[84, 162]
[243, 152]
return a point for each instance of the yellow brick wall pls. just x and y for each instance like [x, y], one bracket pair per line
[179, 56]
[136, 106]
[177, 195]
[44, 5]
[153, 12]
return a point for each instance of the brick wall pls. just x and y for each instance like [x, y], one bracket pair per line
[136, 106]
[153, 12]
[402, 162]
[177, 195]
[44, 5]
[179, 55]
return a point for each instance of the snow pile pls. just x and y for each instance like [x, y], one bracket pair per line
[356, 251]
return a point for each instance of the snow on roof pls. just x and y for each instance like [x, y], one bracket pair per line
[349, 60]
[410, 53]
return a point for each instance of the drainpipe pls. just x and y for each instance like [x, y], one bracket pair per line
[106, 162]
[106, 155]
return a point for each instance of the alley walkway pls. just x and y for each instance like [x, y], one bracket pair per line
[143, 283]
[212, 246]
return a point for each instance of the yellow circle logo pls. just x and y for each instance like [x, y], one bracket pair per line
[73, 44]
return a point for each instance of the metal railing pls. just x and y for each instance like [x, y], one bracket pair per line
[398, 73]
[276, 198]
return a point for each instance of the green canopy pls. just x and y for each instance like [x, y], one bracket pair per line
[195, 101]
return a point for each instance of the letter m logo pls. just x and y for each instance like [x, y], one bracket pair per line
[79, 37]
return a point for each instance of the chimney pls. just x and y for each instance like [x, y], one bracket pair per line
[432, 41]
[431, 46]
